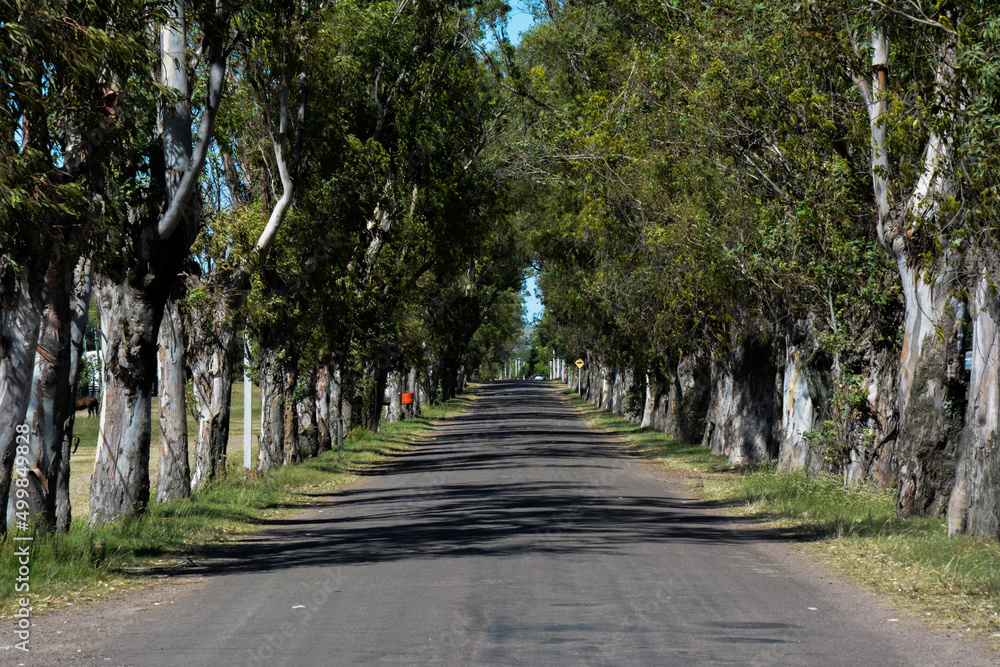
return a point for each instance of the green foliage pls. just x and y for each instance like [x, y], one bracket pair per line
[832, 438]
[90, 372]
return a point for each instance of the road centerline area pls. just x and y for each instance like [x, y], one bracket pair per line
[515, 535]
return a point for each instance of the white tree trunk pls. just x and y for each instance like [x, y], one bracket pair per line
[650, 404]
[174, 478]
[325, 430]
[119, 485]
[210, 356]
[799, 407]
[269, 455]
[974, 506]
[930, 419]
[290, 419]
[395, 398]
[306, 414]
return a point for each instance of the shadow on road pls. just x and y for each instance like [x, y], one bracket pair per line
[520, 474]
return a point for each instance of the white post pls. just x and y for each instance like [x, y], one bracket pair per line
[247, 410]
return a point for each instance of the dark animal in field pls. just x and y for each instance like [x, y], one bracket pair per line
[89, 402]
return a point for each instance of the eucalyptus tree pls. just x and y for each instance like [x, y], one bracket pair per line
[903, 70]
[68, 68]
[721, 206]
[974, 506]
[133, 288]
[418, 109]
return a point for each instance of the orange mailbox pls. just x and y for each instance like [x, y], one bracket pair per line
[408, 399]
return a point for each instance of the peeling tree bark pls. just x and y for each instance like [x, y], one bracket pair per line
[804, 391]
[289, 416]
[174, 479]
[974, 506]
[739, 421]
[211, 349]
[930, 392]
[306, 412]
[20, 338]
[49, 406]
[324, 403]
[119, 485]
[270, 454]
[131, 296]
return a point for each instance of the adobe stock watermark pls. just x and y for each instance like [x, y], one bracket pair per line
[22, 543]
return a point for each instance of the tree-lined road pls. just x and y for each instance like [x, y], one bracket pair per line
[516, 535]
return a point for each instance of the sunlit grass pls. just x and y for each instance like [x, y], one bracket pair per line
[92, 562]
[948, 582]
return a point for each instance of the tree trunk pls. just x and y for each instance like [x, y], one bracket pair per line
[308, 434]
[119, 486]
[804, 390]
[174, 479]
[79, 313]
[877, 427]
[652, 394]
[325, 430]
[132, 295]
[290, 419]
[975, 501]
[719, 408]
[430, 387]
[686, 402]
[931, 390]
[930, 396]
[427, 389]
[376, 398]
[414, 387]
[212, 379]
[18, 341]
[742, 409]
[50, 405]
[449, 375]
[395, 398]
[272, 414]
[344, 414]
[210, 351]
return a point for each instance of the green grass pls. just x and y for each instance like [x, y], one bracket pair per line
[85, 428]
[947, 582]
[92, 562]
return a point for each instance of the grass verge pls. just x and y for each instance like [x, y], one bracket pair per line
[88, 563]
[947, 582]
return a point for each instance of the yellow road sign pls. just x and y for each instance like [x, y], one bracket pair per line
[579, 363]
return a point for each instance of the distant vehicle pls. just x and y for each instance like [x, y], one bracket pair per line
[538, 377]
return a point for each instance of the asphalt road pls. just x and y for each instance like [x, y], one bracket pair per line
[516, 536]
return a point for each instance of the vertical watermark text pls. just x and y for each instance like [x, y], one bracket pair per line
[22, 542]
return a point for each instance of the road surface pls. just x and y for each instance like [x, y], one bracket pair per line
[516, 536]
